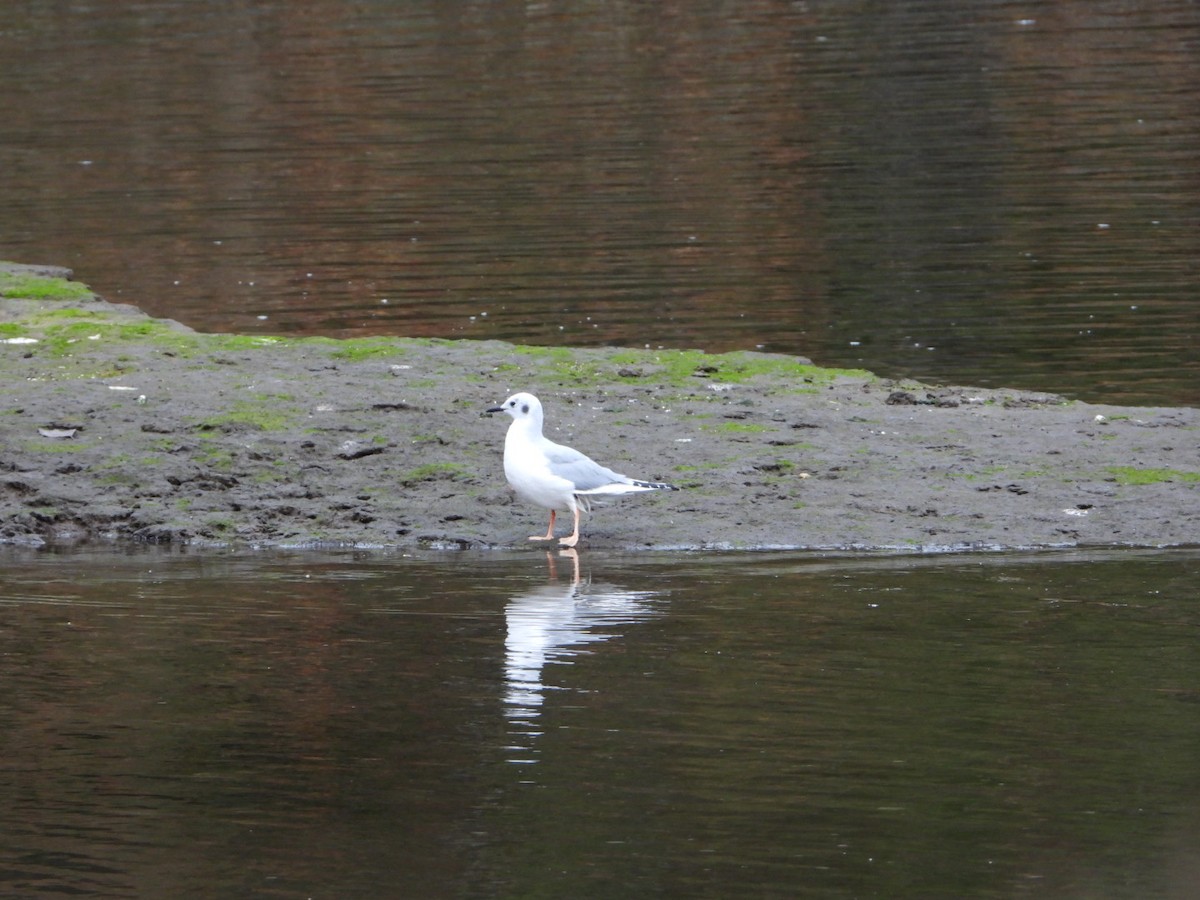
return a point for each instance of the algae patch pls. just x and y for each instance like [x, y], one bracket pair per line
[264, 412]
[28, 286]
[1131, 475]
[736, 428]
[433, 472]
[678, 366]
[359, 349]
[674, 367]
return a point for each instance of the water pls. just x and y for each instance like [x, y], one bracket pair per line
[989, 193]
[342, 725]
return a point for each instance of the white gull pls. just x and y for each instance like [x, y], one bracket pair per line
[552, 476]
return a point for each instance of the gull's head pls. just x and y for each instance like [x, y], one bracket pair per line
[520, 406]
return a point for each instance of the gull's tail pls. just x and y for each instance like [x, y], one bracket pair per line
[654, 486]
[629, 486]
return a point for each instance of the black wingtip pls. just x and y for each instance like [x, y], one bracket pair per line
[656, 485]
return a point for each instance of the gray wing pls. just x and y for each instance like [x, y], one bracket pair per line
[585, 473]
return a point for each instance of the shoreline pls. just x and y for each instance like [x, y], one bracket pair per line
[120, 427]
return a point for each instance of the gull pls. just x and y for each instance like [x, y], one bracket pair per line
[552, 476]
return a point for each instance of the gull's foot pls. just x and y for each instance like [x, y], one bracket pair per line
[541, 537]
[569, 541]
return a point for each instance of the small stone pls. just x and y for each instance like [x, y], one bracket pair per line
[357, 450]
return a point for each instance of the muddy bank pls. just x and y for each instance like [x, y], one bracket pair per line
[116, 426]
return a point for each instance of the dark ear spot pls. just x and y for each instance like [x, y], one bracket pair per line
[525, 409]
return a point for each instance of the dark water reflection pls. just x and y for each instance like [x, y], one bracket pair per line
[993, 192]
[325, 725]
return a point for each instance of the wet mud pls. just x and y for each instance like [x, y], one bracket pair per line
[118, 427]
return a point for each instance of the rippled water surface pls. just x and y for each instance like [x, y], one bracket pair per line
[990, 193]
[333, 725]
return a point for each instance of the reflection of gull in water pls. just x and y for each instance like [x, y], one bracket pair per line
[545, 624]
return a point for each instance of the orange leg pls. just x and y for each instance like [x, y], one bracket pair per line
[549, 535]
[574, 537]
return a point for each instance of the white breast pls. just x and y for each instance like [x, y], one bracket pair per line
[528, 472]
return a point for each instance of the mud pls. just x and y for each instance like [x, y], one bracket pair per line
[118, 427]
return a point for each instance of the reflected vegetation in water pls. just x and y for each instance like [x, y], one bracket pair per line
[342, 725]
[981, 193]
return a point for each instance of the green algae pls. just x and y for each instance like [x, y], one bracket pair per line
[736, 428]
[24, 286]
[360, 349]
[71, 331]
[264, 412]
[1131, 475]
[432, 472]
[679, 366]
